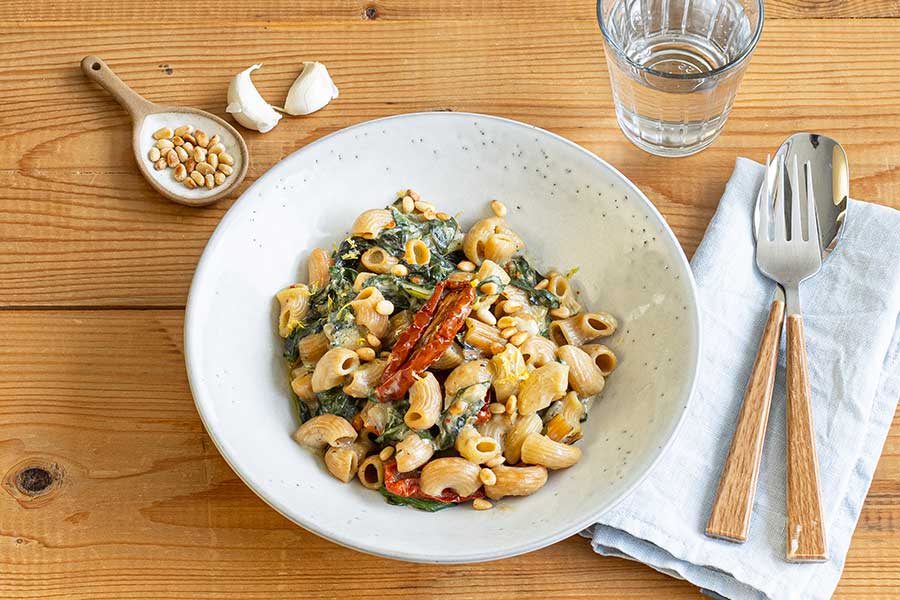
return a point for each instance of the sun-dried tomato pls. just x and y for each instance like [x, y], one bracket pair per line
[407, 485]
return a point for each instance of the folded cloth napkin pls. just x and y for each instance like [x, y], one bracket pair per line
[850, 312]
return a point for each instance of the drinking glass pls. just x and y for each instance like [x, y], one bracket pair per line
[675, 67]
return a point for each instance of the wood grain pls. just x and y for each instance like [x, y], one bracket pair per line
[72, 202]
[805, 525]
[733, 505]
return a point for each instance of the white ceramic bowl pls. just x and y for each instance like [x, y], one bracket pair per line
[571, 208]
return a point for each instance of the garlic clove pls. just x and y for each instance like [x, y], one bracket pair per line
[311, 91]
[248, 106]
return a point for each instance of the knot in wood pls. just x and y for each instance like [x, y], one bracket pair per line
[34, 480]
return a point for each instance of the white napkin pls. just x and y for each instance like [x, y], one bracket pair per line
[850, 312]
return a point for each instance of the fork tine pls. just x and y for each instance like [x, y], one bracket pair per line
[812, 214]
[796, 195]
[765, 204]
[779, 203]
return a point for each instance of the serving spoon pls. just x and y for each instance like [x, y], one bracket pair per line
[148, 117]
[729, 518]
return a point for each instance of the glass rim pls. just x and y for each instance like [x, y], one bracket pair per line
[745, 53]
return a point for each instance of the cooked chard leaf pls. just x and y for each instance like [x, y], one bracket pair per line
[291, 353]
[350, 250]
[449, 424]
[304, 411]
[395, 429]
[543, 297]
[336, 402]
[419, 503]
[525, 277]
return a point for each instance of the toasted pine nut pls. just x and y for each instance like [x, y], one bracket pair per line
[178, 141]
[219, 178]
[466, 266]
[519, 338]
[213, 140]
[442, 216]
[153, 155]
[365, 353]
[495, 462]
[512, 306]
[499, 208]
[386, 453]
[180, 131]
[485, 315]
[190, 164]
[180, 173]
[181, 153]
[198, 178]
[560, 313]
[489, 289]
[407, 205]
[172, 158]
[497, 348]
[399, 271]
[228, 170]
[160, 164]
[216, 148]
[162, 133]
[187, 137]
[226, 158]
[512, 405]
[210, 182]
[508, 332]
[481, 503]
[424, 206]
[164, 144]
[384, 307]
[496, 408]
[201, 137]
[213, 160]
[199, 154]
[205, 168]
[189, 147]
[505, 322]
[487, 477]
[189, 183]
[414, 195]
[373, 340]
[542, 284]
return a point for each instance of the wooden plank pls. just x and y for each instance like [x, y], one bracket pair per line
[143, 506]
[419, 10]
[72, 203]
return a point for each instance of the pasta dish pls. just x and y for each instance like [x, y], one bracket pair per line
[438, 366]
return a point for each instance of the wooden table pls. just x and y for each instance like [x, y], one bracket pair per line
[128, 497]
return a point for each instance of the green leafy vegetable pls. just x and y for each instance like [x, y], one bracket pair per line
[420, 503]
[395, 429]
[449, 424]
[336, 402]
[523, 276]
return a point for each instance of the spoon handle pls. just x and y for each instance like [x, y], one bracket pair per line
[730, 515]
[805, 527]
[97, 70]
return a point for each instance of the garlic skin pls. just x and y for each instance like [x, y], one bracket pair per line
[247, 105]
[311, 91]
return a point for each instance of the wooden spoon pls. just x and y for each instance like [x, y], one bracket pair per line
[149, 117]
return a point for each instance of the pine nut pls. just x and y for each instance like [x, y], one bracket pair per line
[495, 462]
[199, 154]
[407, 205]
[189, 183]
[499, 208]
[496, 408]
[182, 153]
[373, 340]
[559, 313]
[190, 164]
[180, 173]
[512, 405]
[384, 307]
[178, 141]
[210, 182]
[489, 289]
[213, 160]
[424, 206]
[414, 195]
[225, 168]
[180, 131]
[162, 133]
[399, 271]
[153, 155]
[219, 178]
[189, 138]
[198, 178]
[508, 332]
[481, 503]
[519, 338]
[213, 140]
[172, 158]
[216, 148]
[466, 266]
[226, 158]
[160, 164]
[542, 284]
[189, 147]
[497, 348]
[505, 322]
[487, 477]
[386, 453]
[201, 137]
[365, 353]
[205, 168]
[485, 315]
[164, 144]
[443, 216]
[512, 306]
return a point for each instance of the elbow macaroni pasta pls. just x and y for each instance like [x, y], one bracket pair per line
[490, 411]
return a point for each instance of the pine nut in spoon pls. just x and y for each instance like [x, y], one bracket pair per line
[155, 126]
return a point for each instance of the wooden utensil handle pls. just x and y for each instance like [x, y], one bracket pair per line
[134, 103]
[805, 526]
[730, 515]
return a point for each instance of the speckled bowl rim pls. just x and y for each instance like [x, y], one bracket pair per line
[360, 545]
